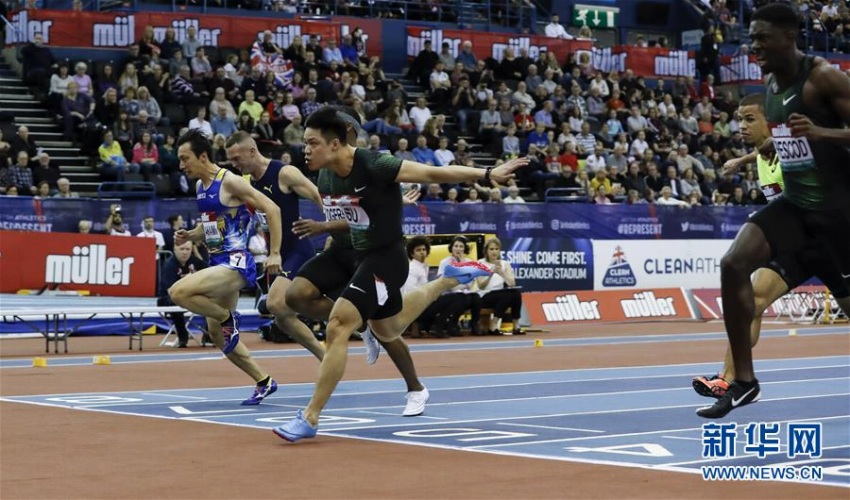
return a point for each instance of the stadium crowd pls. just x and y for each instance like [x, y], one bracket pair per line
[603, 137]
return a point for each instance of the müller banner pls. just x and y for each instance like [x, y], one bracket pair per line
[100, 264]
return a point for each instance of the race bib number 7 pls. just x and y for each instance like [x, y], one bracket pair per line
[795, 153]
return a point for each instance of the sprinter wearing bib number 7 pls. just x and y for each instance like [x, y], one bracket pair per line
[224, 226]
[807, 107]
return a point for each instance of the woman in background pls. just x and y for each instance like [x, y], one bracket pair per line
[498, 291]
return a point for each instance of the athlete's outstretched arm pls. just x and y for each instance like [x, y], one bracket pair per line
[833, 86]
[412, 171]
[299, 183]
[241, 190]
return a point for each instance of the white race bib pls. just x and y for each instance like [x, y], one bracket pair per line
[237, 260]
[347, 209]
[211, 234]
[795, 153]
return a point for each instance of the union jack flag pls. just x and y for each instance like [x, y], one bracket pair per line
[619, 256]
[276, 63]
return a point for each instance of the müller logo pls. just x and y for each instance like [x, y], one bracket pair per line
[570, 308]
[88, 265]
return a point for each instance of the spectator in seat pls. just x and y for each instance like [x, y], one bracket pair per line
[107, 109]
[191, 43]
[443, 155]
[499, 291]
[20, 175]
[59, 87]
[467, 57]
[113, 164]
[178, 62]
[175, 222]
[348, 51]
[222, 123]
[64, 189]
[220, 101]
[168, 46]
[513, 195]
[421, 67]
[463, 297]
[555, 29]
[510, 142]
[129, 78]
[653, 180]
[597, 159]
[148, 104]
[420, 114]
[332, 53]
[246, 123]
[129, 104]
[148, 231]
[38, 62]
[77, 111]
[84, 227]
[252, 107]
[179, 265]
[84, 81]
[440, 86]
[402, 152]
[418, 249]
[115, 225]
[124, 133]
[434, 193]
[424, 154]
[182, 91]
[148, 46]
[200, 122]
[490, 126]
[46, 170]
[201, 67]
[144, 124]
[107, 79]
[667, 198]
[146, 157]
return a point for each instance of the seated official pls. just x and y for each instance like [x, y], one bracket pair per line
[460, 298]
[181, 264]
[497, 290]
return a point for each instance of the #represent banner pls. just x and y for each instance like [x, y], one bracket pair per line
[103, 265]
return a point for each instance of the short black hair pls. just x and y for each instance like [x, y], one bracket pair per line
[172, 219]
[331, 126]
[198, 142]
[418, 241]
[752, 99]
[780, 14]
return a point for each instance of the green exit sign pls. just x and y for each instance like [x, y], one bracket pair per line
[595, 16]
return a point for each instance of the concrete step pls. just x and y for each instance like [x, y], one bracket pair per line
[15, 90]
[58, 147]
[22, 97]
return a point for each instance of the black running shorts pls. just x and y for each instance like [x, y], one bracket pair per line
[330, 270]
[375, 288]
[817, 239]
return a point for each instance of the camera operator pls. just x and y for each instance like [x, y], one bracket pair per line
[115, 222]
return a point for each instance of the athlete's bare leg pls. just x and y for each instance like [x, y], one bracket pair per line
[287, 320]
[214, 292]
